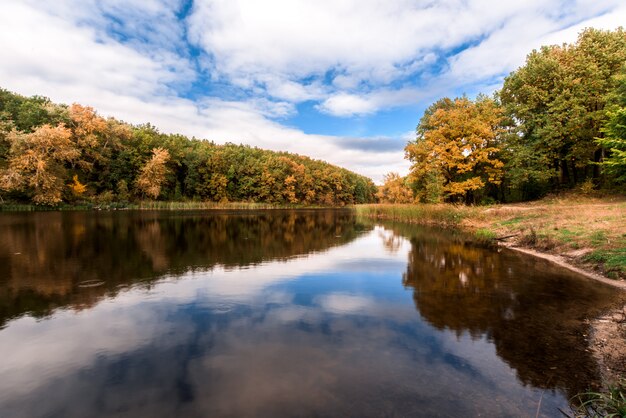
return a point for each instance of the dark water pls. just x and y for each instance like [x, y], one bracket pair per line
[280, 314]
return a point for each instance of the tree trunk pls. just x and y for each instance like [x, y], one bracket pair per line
[574, 174]
[565, 175]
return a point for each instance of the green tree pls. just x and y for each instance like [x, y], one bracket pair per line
[614, 134]
[555, 105]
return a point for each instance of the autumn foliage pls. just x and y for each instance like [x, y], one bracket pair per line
[153, 173]
[456, 150]
[394, 190]
[53, 153]
[556, 124]
[37, 162]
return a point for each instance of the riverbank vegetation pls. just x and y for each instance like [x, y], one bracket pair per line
[611, 403]
[588, 231]
[53, 154]
[155, 205]
[558, 123]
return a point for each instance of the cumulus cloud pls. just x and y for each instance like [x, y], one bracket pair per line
[367, 47]
[238, 70]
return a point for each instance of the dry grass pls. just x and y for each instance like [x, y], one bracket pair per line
[587, 230]
[426, 214]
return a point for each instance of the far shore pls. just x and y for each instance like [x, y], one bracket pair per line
[159, 205]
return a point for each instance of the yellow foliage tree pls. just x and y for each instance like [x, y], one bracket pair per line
[153, 174]
[394, 190]
[456, 148]
[36, 162]
[90, 133]
[87, 125]
[77, 187]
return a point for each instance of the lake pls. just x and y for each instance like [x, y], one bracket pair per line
[281, 313]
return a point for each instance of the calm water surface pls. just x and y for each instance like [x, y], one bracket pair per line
[294, 313]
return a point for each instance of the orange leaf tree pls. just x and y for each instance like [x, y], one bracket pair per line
[455, 153]
[36, 163]
[153, 174]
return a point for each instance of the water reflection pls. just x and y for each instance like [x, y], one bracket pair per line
[531, 310]
[313, 314]
[51, 260]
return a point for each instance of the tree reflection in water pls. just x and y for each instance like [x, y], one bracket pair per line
[280, 314]
[535, 313]
[50, 260]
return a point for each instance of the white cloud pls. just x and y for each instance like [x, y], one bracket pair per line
[349, 104]
[379, 42]
[505, 49]
[342, 303]
[349, 57]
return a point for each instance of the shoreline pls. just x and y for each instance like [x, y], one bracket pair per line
[562, 261]
[563, 232]
[607, 336]
[162, 206]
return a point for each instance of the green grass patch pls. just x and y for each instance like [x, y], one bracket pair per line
[512, 222]
[598, 238]
[485, 235]
[611, 403]
[567, 235]
[613, 259]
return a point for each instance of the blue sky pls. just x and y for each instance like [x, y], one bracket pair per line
[341, 80]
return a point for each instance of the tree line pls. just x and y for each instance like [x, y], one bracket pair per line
[558, 122]
[52, 153]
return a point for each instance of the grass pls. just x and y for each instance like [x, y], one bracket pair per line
[613, 260]
[158, 205]
[588, 230]
[16, 207]
[152, 205]
[425, 214]
[485, 235]
[611, 403]
[514, 221]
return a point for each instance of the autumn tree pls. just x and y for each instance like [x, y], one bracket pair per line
[36, 163]
[456, 150]
[77, 188]
[394, 190]
[112, 157]
[153, 173]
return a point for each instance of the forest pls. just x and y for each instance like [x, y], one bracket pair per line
[558, 123]
[53, 154]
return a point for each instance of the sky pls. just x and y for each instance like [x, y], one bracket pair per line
[345, 81]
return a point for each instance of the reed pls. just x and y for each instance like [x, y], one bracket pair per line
[425, 214]
[154, 205]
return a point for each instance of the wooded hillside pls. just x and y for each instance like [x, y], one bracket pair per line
[51, 153]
